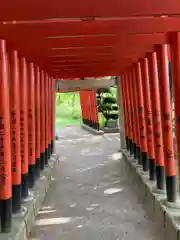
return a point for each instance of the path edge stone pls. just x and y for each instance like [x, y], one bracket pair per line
[168, 218]
[92, 130]
[111, 130]
[22, 225]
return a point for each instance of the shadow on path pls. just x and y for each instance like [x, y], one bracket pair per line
[91, 197]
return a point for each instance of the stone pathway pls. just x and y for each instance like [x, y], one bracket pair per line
[91, 197]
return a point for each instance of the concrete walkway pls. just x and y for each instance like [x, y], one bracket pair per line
[91, 197]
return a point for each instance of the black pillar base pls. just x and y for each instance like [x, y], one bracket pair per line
[31, 175]
[6, 215]
[127, 143]
[96, 126]
[16, 198]
[24, 185]
[93, 124]
[139, 155]
[134, 150]
[52, 146]
[46, 156]
[49, 150]
[131, 147]
[160, 176]
[42, 160]
[171, 188]
[152, 169]
[145, 162]
[137, 152]
[38, 167]
[89, 123]
[85, 121]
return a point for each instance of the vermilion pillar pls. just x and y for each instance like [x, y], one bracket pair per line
[92, 109]
[38, 121]
[148, 118]
[156, 118]
[24, 126]
[164, 91]
[136, 129]
[175, 58]
[135, 99]
[50, 119]
[81, 94]
[42, 114]
[15, 130]
[89, 108]
[141, 118]
[95, 111]
[5, 144]
[31, 125]
[86, 106]
[52, 112]
[46, 116]
[82, 106]
[124, 102]
[129, 113]
[86, 99]
[132, 109]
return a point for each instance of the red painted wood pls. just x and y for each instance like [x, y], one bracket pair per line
[22, 10]
[5, 144]
[74, 27]
[107, 39]
[118, 36]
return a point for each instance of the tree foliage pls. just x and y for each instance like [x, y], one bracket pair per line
[107, 104]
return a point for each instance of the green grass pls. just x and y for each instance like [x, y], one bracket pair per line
[67, 113]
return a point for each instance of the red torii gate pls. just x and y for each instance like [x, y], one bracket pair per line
[89, 108]
[41, 41]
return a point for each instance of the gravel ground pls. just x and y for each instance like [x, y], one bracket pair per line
[91, 197]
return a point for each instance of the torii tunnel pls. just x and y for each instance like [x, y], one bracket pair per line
[46, 40]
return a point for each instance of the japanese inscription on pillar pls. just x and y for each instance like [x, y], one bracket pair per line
[22, 137]
[30, 140]
[3, 176]
[13, 139]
